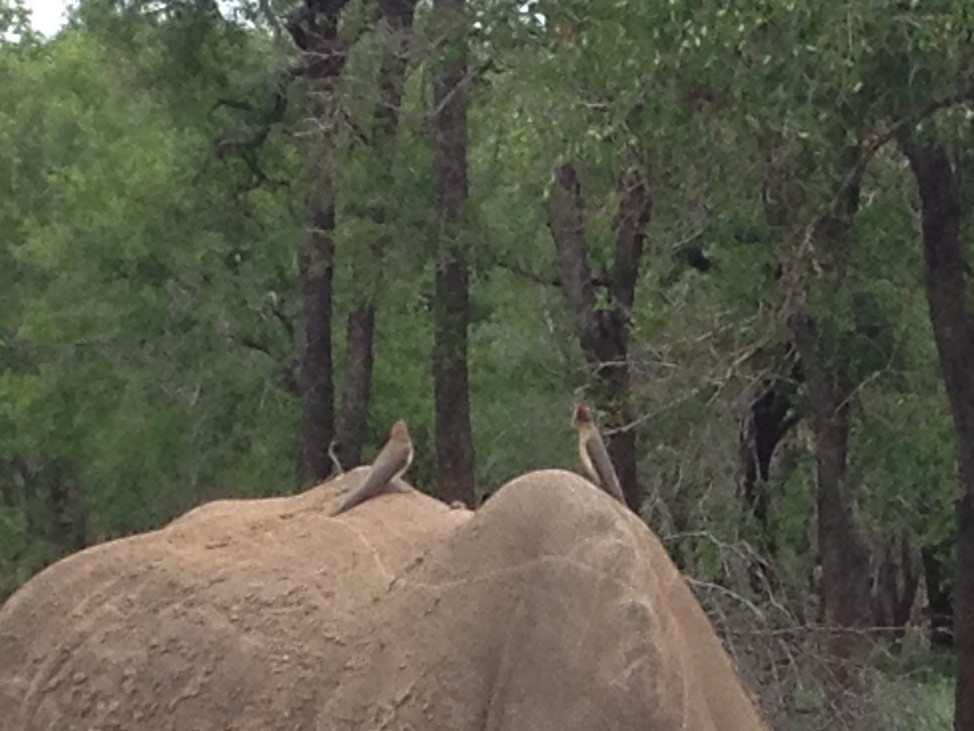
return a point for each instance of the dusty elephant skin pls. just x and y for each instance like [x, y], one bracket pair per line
[552, 608]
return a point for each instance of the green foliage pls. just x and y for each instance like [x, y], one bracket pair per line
[137, 267]
[144, 275]
[906, 705]
[15, 27]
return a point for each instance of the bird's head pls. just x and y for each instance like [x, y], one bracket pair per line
[399, 431]
[581, 414]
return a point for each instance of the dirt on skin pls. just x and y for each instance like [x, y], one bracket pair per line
[552, 608]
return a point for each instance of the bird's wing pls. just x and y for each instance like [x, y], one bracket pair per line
[387, 465]
[602, 464]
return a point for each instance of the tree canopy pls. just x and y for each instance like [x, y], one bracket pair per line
[162, 163]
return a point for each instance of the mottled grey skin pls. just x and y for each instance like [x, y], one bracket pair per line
[391, 463]
[596, 463]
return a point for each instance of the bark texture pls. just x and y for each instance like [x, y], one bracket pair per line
[946, 283]
[845, 562]
[846, 600]
[451, 309]
[603, 327]
[771, 416]
[314, 27]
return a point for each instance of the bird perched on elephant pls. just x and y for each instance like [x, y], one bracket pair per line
[596, 463]
[390, 464]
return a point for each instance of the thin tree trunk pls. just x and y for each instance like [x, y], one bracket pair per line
[316, 264]
[451, 311]
[357, 387]
[395, 28]
[964, 607]
[953, 328]
[315, 32]
[603, 332]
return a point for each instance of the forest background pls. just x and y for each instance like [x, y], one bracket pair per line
[238, 240]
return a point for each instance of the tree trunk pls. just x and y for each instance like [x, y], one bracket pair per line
[395, 27]
[769, 420]
[315, 32]
[964, 609]
[316, 264]
[845, 564]
[765, 428]
[846, 605]
[953, 328]
[451, 310]
[357, 387]
[771, 417]
[603, 332]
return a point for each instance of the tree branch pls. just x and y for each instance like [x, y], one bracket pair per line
[875, 142]
[463, 85]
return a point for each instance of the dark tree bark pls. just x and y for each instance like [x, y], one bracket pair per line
[953, 327]
[451, 309]
[314, 28]
[395, 28]
[772, 415]
[603, 332]
[845, 561]
[316, 264]
[357, 386]
[767, 425]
